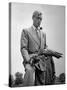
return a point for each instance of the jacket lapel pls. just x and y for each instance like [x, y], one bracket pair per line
[34, 36]
[42, 41]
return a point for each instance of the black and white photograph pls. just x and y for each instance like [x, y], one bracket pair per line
[36, 44]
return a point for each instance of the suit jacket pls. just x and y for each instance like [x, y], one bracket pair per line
[30, 43]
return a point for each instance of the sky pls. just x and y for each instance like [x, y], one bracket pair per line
[53, 24]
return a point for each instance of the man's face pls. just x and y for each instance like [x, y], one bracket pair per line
[37, 21]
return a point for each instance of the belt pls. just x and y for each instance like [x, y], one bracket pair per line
[30, 52]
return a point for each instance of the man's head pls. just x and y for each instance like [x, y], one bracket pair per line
[37, 18]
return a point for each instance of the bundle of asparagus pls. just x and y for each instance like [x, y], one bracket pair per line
[49, 52]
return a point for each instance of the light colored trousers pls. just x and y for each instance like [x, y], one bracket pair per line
[29, 77]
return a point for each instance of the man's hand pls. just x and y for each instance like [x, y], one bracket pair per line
[31, 61]
[34, 59]
[40, 51]
[33, 55]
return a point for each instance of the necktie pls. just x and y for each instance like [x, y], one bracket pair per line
[38, 34]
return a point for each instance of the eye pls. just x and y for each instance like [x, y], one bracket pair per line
[40, 18]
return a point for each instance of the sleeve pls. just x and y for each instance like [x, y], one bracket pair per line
[24, 45]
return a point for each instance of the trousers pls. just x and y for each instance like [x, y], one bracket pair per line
[34, 76]
[29, 77]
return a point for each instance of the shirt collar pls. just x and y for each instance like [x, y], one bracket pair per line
[35, 28]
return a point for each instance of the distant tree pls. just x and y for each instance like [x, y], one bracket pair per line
[19, 79]
[11, 80]
[57, 80]
[62, 78]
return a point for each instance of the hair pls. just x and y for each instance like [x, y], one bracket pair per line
[36, 13]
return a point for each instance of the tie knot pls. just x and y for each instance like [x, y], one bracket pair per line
[37, 30]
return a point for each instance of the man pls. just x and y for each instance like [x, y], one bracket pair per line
[32, 41]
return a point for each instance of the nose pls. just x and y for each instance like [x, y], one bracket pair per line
[39, 21]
